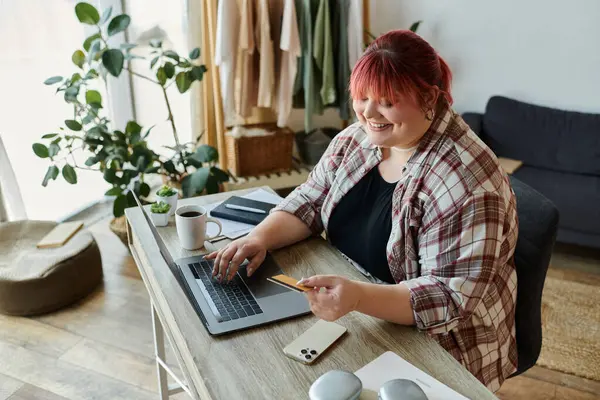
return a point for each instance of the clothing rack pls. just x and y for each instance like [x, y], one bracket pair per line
[214, 121]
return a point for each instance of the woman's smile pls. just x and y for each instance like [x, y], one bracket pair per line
[378, 127]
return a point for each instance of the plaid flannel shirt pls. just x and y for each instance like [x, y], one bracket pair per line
[454, 231]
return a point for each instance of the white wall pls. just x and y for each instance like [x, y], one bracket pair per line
[541, 51]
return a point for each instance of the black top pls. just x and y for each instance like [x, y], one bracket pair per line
[360, 225]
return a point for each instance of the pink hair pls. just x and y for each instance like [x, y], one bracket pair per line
[401, 63]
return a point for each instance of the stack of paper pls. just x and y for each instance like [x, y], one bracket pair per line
[234, 229]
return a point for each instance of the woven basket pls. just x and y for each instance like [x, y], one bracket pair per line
[256, 155]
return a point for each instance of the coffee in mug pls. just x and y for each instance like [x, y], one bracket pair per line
[191, 223]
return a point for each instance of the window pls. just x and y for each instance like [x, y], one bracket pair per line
[37, 39]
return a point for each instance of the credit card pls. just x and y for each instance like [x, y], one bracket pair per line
[289, 282]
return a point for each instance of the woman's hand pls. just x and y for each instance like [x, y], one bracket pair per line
[229, 258]
[339, 297]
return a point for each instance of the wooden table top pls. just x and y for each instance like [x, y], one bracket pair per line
[250, 364]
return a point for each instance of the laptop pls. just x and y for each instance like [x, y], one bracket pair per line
[242, 303]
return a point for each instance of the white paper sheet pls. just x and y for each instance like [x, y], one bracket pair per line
[390, 366]
[234, 229]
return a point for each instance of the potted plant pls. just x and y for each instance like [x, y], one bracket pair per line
[122, 154]
[168, 195]
[159, 212]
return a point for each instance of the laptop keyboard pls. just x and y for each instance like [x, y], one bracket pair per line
[231, 300]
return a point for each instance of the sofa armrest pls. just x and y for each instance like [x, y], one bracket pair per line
[474, 120]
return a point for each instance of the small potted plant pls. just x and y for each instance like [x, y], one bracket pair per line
[159, 212]
[168, 195]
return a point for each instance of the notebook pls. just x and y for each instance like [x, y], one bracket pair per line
[60, 235]
[221, 211]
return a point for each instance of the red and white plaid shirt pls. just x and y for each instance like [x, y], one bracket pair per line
[454, 231]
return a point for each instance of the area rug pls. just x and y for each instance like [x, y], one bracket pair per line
[571, 327]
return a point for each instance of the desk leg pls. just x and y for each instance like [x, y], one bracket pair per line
[162, 369]
[159, 347]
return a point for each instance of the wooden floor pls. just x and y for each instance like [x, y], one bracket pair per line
[102, 347]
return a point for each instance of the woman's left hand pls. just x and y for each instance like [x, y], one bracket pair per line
[339, 296]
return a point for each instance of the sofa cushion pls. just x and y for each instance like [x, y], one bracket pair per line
[539, 136]
[576, 196]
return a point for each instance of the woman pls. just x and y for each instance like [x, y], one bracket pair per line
[413, 198]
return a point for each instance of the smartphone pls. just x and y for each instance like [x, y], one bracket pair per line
[310, 345]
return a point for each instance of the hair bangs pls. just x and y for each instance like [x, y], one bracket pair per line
[376, 75]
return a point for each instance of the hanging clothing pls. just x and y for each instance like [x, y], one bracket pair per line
[339, 36]
[356, 43]
[291, 50]
[276, 8]
[264, 45]
[246, 80]
[226, 50]
[306, 94]
[323, 54]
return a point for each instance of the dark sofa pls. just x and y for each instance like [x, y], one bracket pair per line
[560, 151]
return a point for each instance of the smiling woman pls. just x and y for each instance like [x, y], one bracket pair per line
[417, 203]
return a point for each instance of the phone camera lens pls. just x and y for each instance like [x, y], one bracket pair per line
[303, 351]
[308, 356]
[313, 352]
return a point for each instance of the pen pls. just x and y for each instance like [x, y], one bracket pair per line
[242, 208]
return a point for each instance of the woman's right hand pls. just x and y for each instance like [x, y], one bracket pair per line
[229, 258]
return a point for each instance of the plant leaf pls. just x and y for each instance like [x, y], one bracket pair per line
[78, 58]
[212, 185]
[115, 191]
[206, 153]
[118, 24]
[53, 149]
[49, 135]
[52, 80]
[105, 15]
[169, 69]
[195, 53]
[152, 170]
[144, 189]
[69, 174]
[51, 173]
[113, 60]
[110, 176]
[87, 13]
[73, 125]
[91, 161]
[119, 205]
[171, 54]
[197, 72]
[40, 150]
[195, 183]
[415, 26]
[132, 127]
[170, 167]
[154, 60]
[93, 96]
[87, 43]
[183, 82]
[161, 75]
[147, 132]
[219, 174]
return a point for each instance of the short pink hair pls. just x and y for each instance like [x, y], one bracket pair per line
[401, 63]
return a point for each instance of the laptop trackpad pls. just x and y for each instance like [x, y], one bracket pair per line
[258, 283]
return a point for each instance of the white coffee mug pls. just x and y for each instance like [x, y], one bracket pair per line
[191, 223]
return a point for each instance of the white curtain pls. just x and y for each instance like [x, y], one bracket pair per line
[11, 202]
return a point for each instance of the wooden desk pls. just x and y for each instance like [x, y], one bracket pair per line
[250, 364]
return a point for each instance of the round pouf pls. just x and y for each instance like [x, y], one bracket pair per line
[36, 281]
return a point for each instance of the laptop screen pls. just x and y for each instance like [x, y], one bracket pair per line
[161, 244]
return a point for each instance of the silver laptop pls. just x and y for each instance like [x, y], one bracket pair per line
[242, 303]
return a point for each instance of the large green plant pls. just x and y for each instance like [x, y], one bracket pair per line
[122, 155]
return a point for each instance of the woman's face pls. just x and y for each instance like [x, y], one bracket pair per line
[391, 125]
